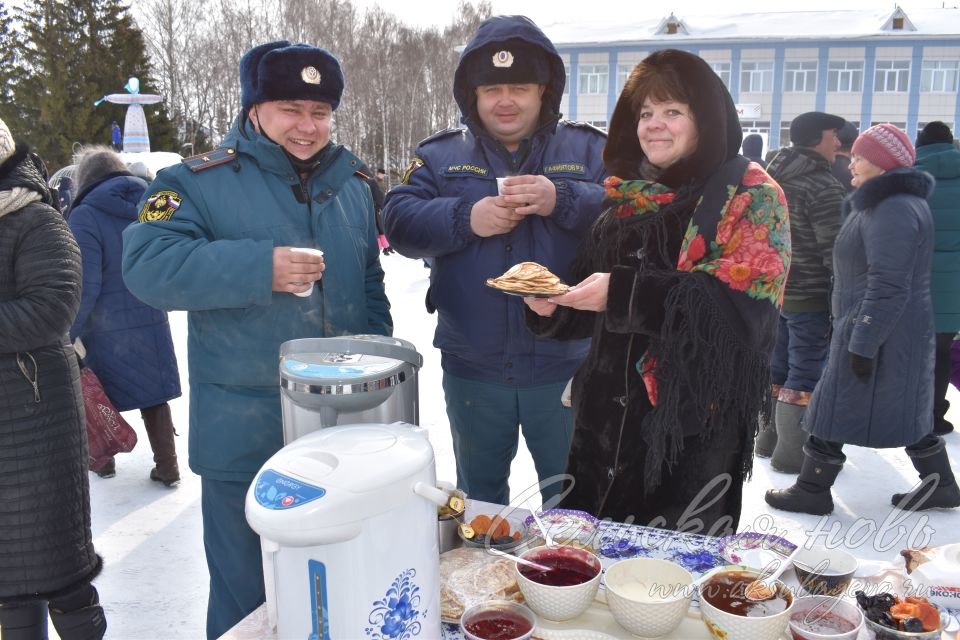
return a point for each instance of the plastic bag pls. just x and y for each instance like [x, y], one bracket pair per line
[107, 432]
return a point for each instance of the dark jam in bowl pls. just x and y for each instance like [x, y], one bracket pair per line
[727, 592]
[824, 623]
[498, 625]
[565, 570]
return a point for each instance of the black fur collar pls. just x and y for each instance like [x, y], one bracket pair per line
[894, 182]
[19, 153]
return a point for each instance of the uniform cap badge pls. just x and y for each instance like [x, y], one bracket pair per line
[310, 75]
[503, 59]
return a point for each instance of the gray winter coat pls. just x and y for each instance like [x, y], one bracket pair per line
[882, 310]
[46, 546]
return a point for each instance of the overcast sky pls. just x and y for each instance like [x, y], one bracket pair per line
[544, 12]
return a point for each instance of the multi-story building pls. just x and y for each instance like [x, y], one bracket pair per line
[868, 66]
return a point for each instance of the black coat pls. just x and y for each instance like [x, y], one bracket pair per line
[46, 545]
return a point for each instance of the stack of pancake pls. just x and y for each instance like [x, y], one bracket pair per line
[529, 278]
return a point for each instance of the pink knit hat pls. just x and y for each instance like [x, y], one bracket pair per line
[885, 146]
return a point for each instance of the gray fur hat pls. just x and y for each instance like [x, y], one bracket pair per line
[94, 163]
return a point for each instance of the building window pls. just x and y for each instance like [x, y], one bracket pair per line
[845, 75]
[599, 124]
[800, 76]
[566, 82]
[891, 76]
[593, 79]
[939, 76]
[623, 72]
[756, 77]
[722, 69]
[784, 134]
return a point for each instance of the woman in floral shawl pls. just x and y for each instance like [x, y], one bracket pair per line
[682, 278]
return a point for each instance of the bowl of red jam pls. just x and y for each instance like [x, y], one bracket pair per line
[497, 620]
[729, 613]
[565, 585]
[825, 618]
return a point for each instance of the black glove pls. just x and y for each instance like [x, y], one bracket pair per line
[388, 250]
[862, 367]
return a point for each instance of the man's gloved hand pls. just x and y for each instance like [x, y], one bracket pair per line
[862, 367]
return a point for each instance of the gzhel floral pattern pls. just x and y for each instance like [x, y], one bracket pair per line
[396, 617]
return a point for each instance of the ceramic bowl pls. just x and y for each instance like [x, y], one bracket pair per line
[729, 626]
[559, 603]
[880, 632]
[823, 571]
[815, 618]
[494, 614]
[648, 597]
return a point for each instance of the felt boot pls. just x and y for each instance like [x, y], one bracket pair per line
[84, 623]
[938, 487]
[159, 425]
[27, 621]
[811, 492]
[767, 437]
[788, 454]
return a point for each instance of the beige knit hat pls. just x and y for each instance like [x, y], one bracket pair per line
[7, 145]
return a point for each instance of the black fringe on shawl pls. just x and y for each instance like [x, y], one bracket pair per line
[702, 360]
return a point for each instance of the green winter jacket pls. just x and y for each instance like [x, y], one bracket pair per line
[942, 161]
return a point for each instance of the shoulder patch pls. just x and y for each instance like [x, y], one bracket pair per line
[210, 159]
[446, 133]
[415, 164]
[160, 206]
[584, 125]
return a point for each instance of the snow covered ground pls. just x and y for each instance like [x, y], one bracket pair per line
[154, 584]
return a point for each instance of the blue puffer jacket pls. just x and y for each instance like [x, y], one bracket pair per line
[480, 331]
[128, 343]
[209, 250]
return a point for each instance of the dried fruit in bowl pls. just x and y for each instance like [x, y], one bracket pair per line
[912, 614]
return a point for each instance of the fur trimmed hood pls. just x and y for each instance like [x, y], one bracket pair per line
[905, 181]
[718, 126]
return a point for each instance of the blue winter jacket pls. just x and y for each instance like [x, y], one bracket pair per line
[213, 256]
[480, 331]
[128, 343]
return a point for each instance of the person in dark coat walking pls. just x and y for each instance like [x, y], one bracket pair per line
[937, 156]
[680, 282]
[877, 389]
[814, 197]
[840, 168]
[47, 559]
[753, 149]
[128, 343]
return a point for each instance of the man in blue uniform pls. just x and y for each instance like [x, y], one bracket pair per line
[496, 376]
[215, 237]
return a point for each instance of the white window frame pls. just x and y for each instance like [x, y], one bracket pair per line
[566, 84]
[845, 76]
[939, 76]
[722, 69]
[756, 76]
[623, 72]
[593, 80]
[891, 76]
[800, 76]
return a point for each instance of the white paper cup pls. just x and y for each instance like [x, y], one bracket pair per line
[500, 186]
[313, 252]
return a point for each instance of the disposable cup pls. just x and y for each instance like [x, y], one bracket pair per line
[500, 186]
[314, 252]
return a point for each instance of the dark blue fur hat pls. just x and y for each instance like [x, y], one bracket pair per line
[283, 71]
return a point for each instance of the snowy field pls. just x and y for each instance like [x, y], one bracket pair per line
[154, 584]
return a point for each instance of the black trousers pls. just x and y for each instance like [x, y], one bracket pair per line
[941, 379]
[833, 451]
[28, 620]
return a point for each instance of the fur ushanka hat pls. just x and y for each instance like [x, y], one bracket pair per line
[718, 125]
[280, 70]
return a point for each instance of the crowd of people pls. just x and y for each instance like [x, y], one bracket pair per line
[721, 306]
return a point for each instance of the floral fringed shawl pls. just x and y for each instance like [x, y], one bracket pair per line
[707, 362]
